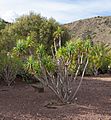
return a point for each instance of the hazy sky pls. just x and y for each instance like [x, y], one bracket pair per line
[63, 11]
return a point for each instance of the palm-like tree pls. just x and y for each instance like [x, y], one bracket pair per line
[57, 37]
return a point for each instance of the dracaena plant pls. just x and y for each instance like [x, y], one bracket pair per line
[99, 58]
[60, 71]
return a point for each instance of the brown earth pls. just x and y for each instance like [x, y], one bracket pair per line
[93, 102]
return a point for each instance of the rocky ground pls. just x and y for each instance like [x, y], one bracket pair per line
[93, 102]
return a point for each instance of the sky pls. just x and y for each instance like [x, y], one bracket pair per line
[64, 11]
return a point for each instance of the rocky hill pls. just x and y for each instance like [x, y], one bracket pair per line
[97, 28]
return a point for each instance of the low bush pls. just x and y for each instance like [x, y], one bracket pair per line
[9, 67]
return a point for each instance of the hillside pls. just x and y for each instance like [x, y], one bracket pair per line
[97, 28]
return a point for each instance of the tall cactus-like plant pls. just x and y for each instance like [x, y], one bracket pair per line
[57, 38]
[64, 69]
[60, 71]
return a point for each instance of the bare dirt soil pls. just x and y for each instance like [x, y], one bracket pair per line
[93, 102]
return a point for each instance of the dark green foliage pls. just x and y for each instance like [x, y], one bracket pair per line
[2, 24]
[26, 76]
[7, 38]
[34, 25]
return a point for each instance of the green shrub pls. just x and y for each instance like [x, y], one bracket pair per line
[99, 58]
[9, 67]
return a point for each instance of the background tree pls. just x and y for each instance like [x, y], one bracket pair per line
[58, 34]
[39, 28]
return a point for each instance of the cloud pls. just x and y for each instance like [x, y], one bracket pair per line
[62, 10]
[10, 16]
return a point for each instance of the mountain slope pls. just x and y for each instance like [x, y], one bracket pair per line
[97, 28]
